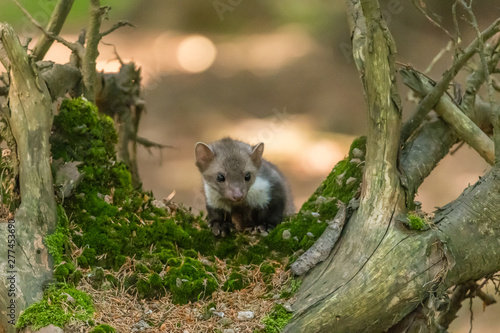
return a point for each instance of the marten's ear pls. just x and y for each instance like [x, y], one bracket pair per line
[256, 154]
[204, 155]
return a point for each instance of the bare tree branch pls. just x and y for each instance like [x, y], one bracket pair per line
[72, 46]
[433, 96]
[459, 295]
[477, 78]
[54, 26]
[453, 115]
[116, 26]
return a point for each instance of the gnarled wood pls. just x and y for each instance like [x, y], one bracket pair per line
[329, 288]
[30, 118]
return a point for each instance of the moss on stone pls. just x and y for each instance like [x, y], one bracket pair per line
[59, 305]
[190, 281]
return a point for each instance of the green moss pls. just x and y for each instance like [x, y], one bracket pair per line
[131, 280]
[56, 309]
[190, 281]
[97, 277]
[63, 271]
[416, 222]
[236, 281]
[152, 287]
[276, 319]
[75, 277]
[190, 253]
[291, 288]
[103, 328]
[81, 132]
[120, 260]
[267, 269]
[341, 184]
[57, 241]
[141, 268]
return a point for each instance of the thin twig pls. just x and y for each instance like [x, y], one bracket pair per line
[438, 56]
[432, 20]
[471, 314]
[93, 38]
[116, 26]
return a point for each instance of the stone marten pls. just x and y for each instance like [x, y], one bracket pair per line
[242, 190]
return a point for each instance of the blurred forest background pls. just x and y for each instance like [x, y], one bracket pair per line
[274, 71]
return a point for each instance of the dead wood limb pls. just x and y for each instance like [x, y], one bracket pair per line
[54, 26]
[60, 79]
[381, 194]
[4, 59]
[116, 26]
[432, 97]
[89, 74]
[452, 114]
[30, 119]
[377, 49]
[323, 246]
[459, 295]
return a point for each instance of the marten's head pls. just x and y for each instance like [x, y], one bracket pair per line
[229, 168]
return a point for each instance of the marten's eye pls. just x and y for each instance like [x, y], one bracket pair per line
[247, 176]
[221, 178]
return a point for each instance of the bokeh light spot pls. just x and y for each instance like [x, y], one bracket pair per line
[196, 53]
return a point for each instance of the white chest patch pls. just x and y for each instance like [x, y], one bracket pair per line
[214, 199]
[259, 194]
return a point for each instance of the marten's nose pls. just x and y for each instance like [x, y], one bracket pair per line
[237, 194]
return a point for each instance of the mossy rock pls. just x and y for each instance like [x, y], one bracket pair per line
[57, 308]
[190, 281]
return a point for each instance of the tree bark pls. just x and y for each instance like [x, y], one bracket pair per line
[324, 299]
[380, 273]
[30, 119]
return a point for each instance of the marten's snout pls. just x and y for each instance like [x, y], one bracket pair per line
[237, 194]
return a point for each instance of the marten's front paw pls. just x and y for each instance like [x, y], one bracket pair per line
[220, 229]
